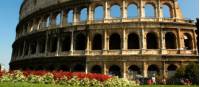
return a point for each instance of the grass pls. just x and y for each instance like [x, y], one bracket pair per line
[9, 84]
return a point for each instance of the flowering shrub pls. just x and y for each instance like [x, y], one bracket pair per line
[73, 79]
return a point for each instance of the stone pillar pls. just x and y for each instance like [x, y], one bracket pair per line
[86, 67]
[58, 46]
[180, 46]
[24, 45]
[106, 11]
[160, 15]
[52, 20]
[124, 47]
[142, 12]
[162, 41]
[37, 47]
[195, 42]
[75, 16]
[63, 18]
[88, 44]
[145, 69]
[104, 69]
[90, 14]
[72, 43]
[46, 44]
[124, 70]
[106, 42]
[164, 69]
[143, 41]
[124, 9]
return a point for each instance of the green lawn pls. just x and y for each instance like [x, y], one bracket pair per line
[53, 85]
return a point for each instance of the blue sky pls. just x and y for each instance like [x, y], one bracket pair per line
[10, 13]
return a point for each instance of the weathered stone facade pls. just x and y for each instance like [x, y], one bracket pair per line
[119, 46]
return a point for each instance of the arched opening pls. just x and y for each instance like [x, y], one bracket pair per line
[187, 41]
[33, 47]
[26, 50]
[132, 11]
[171, 70]
[66, 43]
[83, 14]
[152, 41]
[115, 42]
[99, 13]
[153, 70]
[115, 11]
[79, 68]
[96, 69]
[170, 40]
[149, 11]
[80, 42]
[133, 70]
[64, 68]
[70, 16]
[53, 44]
[58, 19]
[115, 70]
[42, 46]
[166, 11]
[133, 41]
[97, 42]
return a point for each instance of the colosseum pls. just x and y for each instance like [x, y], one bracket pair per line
[89, 36]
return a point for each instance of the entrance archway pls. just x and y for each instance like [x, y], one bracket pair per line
[153, 70]
[115, 70]
[171, 70]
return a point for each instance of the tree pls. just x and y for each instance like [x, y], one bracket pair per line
[192, 72]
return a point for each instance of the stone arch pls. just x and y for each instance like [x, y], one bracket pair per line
[152, 40]
[115, 70]
[132, 10]
[96, 69]
[167, 10]
[133, 70]
[114, 41]
[153, 70]
[170, 40]
[66, 43]
[99, 12]
[115, 11]
[171, 70]
[83, 14]
[133, 41]
[79, 68]
[97, 42]
[187, 41]
[80, 43]
[48, 21]
[150, 11]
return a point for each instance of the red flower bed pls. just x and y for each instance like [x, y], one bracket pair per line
[69, 75]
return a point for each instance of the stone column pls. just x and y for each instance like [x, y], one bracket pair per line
[90, 14]
[124, 69]
[195, 42]
[164, 69]
[63, 18]
[46, 44]
[124, 47]
[142, 12]
[72, 43]
[106, 42]
[142, 41]
[180, 47]
[24, 48]
[75, 16]
[106, 11]
[52, 20]
[88, 44]
[145, 69]
[104, 69]
[162, 41]
[160, 15]
[58, 46]
[37, 47]
[124, 9]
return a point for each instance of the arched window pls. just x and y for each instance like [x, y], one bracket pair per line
[83, 14]
[132, 11]
[115, 70]
[79, 68]
[170, 40]
[58, 19]
[115, 42]
[133, 70]
[149, 11]
[153, 70]
[96, 69]
[166, 11]
[97, 42]
[115, 11]
[133, 41]
[99, 13]
[33, 47]
[80, 42]
[70, 16]
[42, 46]
[171, 70]
[66, 43]
[152, 40]
[187, 41]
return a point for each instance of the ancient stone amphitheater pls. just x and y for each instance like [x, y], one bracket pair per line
[89, 36]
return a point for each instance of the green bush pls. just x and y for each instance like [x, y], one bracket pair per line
[118, 82]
